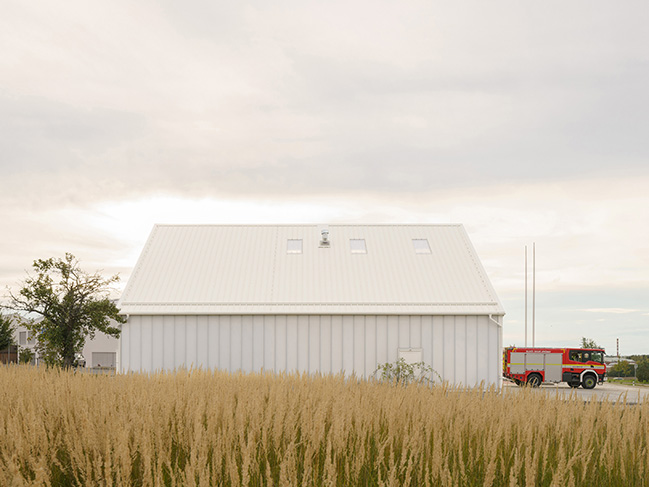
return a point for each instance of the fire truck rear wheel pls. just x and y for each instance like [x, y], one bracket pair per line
[589, 381]
[534, 380]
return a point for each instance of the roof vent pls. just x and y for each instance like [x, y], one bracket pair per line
[324, 240]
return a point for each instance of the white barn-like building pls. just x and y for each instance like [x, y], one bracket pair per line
[311, 298]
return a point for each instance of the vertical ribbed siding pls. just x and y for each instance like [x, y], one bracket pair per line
[462, 349]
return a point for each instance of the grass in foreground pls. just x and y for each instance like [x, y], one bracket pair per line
[199, 428]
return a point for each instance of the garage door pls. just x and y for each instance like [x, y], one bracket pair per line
[104, 359]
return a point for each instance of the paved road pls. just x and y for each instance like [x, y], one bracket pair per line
[606, 391]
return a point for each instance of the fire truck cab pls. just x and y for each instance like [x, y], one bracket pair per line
[575, 366]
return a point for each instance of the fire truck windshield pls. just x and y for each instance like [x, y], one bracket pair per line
[595, 356]
[586, 356]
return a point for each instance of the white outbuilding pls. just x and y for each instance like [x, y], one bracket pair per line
[311, 298]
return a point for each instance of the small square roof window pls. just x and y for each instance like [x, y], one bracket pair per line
[357, 246]
[421, 246]
[294, 246]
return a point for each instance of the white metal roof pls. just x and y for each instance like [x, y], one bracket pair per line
[246, 269]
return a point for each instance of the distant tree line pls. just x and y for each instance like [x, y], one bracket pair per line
[625, 369]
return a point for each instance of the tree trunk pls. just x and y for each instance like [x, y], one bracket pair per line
[68, 362]
[68, 350]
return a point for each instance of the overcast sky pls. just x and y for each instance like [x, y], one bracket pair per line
[526, 121]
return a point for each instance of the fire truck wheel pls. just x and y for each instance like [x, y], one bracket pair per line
[534, 380]
[589, 382]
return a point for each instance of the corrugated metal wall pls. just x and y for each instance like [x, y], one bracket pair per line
[462, 349]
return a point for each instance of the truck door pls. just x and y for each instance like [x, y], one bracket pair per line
[553, 367]
[517, 363]
[534, 361]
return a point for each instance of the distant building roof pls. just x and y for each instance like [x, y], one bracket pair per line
[287, 269]
[612, 359]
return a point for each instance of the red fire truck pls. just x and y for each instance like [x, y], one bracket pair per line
[576, 366]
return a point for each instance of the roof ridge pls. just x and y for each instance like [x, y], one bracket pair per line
[316, 225]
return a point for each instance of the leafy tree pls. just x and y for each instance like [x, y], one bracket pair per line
[638, 358]
[7, 331]
[48, 354]
[73, 304]
[588, 343]
[621, 369]
[642, 372]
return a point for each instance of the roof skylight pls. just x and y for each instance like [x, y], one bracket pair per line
[357, 246]
[421, 246]
[294, 246]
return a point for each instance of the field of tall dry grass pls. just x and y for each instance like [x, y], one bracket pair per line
[200, 428]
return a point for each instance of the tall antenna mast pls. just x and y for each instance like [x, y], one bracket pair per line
[533, 294]
[526, 295]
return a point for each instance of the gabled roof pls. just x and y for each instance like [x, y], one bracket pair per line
[246, 269]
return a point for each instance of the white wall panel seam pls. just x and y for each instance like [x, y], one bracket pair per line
[466, 353]
[148, 339]
[331, 345]
[230, 366]
[163, 343]
[443, 325]
[453, 360]
[173, 339]
[376, 343]
[477, 365]
[364, 350]
[217, 328]
[409, 324]
[353, 322]
[138, 345]
[196, 358]
[152, 352]
[208, 355]
[387, 339]
[273, 333]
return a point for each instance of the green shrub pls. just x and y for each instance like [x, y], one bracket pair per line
[25, 355]
[621, 369]
[643, 369]
[401, 372]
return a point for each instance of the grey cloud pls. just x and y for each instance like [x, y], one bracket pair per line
[205, 19]
[497, 96]
[43, 135]
[561, 314]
